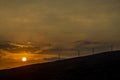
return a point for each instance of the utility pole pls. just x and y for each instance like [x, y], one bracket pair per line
[111, 47]
[78, 52]
[93, 51]
[59, 54]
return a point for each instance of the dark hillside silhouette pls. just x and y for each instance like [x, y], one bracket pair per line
[103, 66]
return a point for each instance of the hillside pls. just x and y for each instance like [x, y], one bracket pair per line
[103, 66]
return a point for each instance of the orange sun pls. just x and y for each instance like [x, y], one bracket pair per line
[24, 59]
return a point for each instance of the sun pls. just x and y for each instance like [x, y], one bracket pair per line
[24, 59]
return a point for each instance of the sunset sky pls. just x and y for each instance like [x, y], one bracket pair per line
[59, 21]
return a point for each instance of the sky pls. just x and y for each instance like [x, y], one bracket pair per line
[59, 22]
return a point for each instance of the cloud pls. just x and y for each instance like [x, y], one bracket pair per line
[55, 20]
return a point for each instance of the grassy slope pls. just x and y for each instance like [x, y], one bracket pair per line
[102, 66]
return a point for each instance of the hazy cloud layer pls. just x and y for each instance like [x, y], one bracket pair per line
[60, 20]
